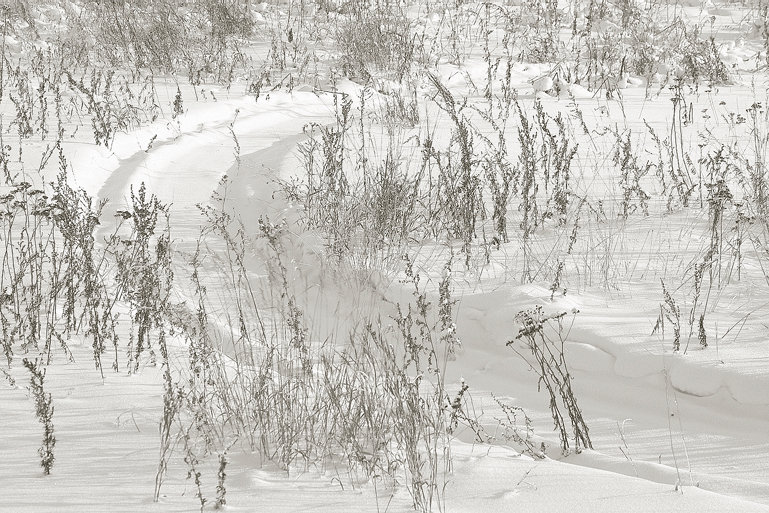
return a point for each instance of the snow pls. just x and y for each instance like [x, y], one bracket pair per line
[672, 430]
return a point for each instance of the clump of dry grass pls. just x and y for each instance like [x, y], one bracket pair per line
[376, 37]
[143, 272]
[44, 413]
[548, 360]
[374, 400]
[169, 36]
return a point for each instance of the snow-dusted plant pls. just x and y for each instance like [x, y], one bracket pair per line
[43, 412]
[544, 336]
[377, 37]
[144, 274]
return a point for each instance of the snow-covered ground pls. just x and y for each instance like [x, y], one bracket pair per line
[684, 430]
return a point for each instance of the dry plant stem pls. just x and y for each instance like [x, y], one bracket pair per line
[550, 364]
[43, 412]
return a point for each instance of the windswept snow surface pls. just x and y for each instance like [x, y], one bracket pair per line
[661, 422]
[671, 431]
